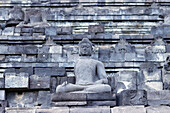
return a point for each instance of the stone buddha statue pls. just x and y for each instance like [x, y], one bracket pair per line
[34, 18]
[90, 74]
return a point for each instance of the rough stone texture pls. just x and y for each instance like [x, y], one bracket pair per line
[39, 82]
[130, 109]
[158, 97]
[22, 99]
[158, 109]
[16, 81]
[53, 109]
[90, 110]
[20, 110]
[132, 97]
[2, 95]
[44, 98]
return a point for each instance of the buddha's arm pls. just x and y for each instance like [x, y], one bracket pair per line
[101, 74]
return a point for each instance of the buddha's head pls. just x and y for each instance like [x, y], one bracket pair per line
[85, 47]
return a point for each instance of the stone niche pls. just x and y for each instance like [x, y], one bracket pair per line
[150, 77]
[123, 51]
[126, 80]
[156, 52]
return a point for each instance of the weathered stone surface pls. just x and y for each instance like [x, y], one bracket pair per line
[8, 31]
[151, 86]
[68, 97]
[22, 99]
[70, 103]
[158, 109]
[158, 97]
[96, 29]
[50, 31]
[2, 80]
[53, 110]
[16, 81]
[59, 71]
[104, 53]
[2, 95]
[39, 82]
[102, 103]
[129, 109]
[30, 49]
[44, 98]
[90, 110]
[132, 97]
[127, 80]
[20, 110]
[101, 96]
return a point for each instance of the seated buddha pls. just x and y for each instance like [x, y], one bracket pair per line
[89, 73]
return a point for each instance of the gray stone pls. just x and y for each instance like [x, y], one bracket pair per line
[59, 71]
[2, 58]
[50, 31]
[102, 103]
[20, 110]
[13, 58]
[53, 84]
[8, 31]
[96, 29]
[100, 96]
[129, 109]
[44, 57]
[53, 109]
[44, 98]
[70, 103]
[16, 81]
[168, 48]
[56, 49]
[2, 95]
[28, 70]
[56, 97]
[132, 97]
[158, 109]
[30, 50]
[158, 97]
[104, 53]
[4, 49]
[16, 49]
[22, 99]
[39, 82]
[127, 79]
[64, 31]
[90, 110]
[96, 81]
[39, 30]
[27, 30]
[2, 80]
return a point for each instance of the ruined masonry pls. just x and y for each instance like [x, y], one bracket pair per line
[39, 47]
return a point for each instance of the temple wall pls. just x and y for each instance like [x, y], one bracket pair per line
[131, 38]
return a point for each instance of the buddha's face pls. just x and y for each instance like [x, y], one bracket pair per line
[85, 49]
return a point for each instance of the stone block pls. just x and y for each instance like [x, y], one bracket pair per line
[39, 30]
[53, 84]
[166, 81]
[96, 29]
[4, 49]
[51, 71]
[50, 31]
[44, 98]
[117, 57]
[129, 109]
[2, 58]
[39, 82]
[30, 50]
[13, 58]
[44, 57]
[100, 96]
[2, 95]
[22, 99]
[8, 31]
[102, 103]
[58, 58]
[130, 56]
[16, 81]
[70, 103]
[158, 109]
[90, 109]
[159, 57]
[127, 79]
[28, 70]
[20, 110]
[56, 49]
[168, 48]
[53, 110]
[158, 97]
[56, 97]
[64, 31]
[27, 30]
[104, 53]
[2, 80]
[151, 86]
[16, 49]
[132, 97]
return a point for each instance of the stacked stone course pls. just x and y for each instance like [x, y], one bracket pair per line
[131, 38]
